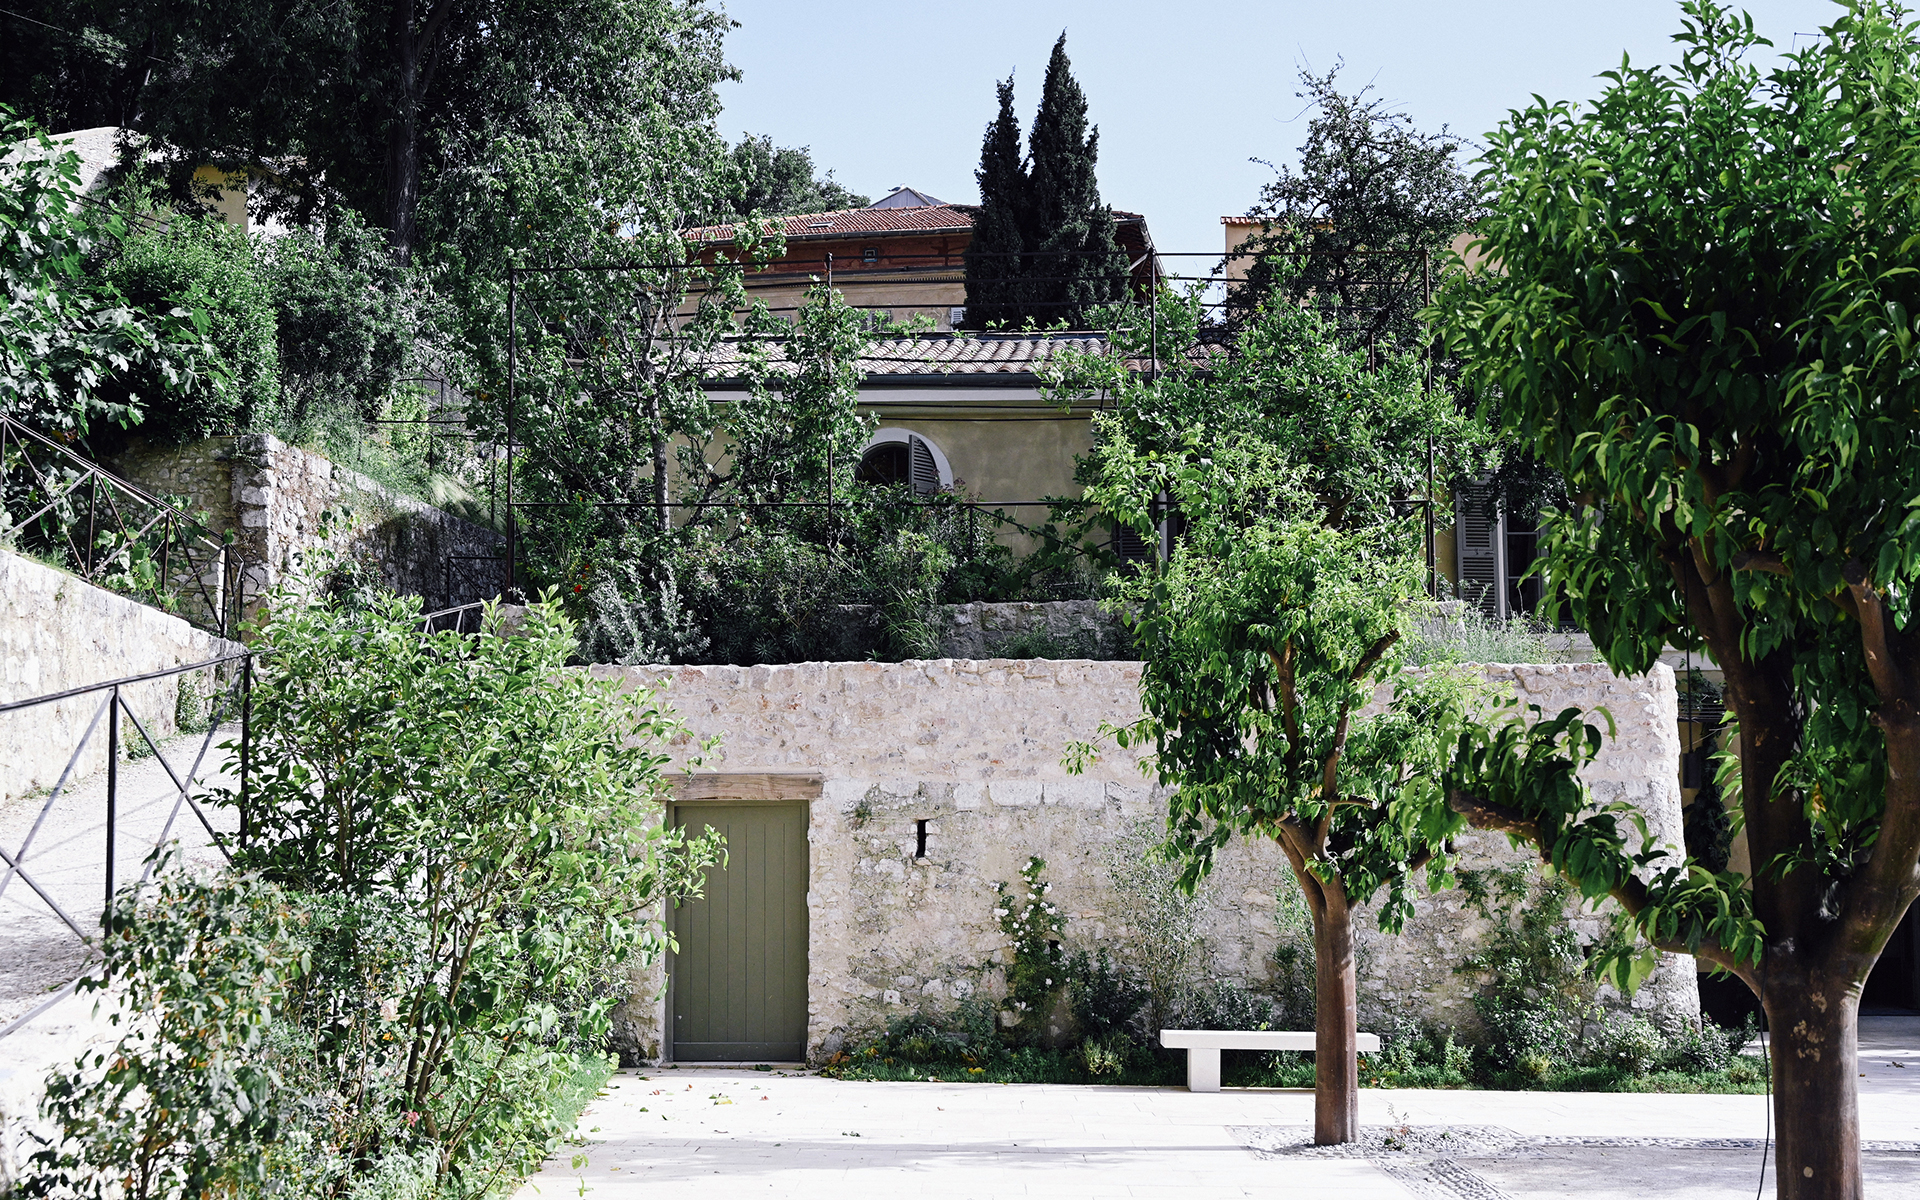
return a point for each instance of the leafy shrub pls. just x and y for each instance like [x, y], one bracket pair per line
[182, 1101]
[1223, 1004]
[347, 320]
[1631, 1045]
[1158, 938]
[1104, 997]
[1037, 970]
[1461, 632]
[908, 573]
[211, 269]
[450, 840]
[1707, 1046]
[521, 794]
[1537, 999]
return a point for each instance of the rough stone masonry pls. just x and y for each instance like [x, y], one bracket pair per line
[974, 748]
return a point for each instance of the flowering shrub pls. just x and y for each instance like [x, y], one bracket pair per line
[1035, 924]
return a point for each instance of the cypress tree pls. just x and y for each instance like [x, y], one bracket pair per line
[1074, 263]
[996, 253]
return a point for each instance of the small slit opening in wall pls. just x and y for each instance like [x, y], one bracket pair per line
[920, 835]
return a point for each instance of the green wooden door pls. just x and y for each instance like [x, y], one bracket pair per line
[740, 977]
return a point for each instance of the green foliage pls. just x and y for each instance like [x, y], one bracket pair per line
[1703, 321]
[1036, 969]
[911, 571]
[1370, 210]
[197, 974]
[1542, 1023]
[1043, 250]
[1459, 632]
[211, 269]
[1105, 999]
[771, 180]
[1538, 999]
[73, 353]
[1157, 934]
[1519, 773]
[454, 857]
[347, 319]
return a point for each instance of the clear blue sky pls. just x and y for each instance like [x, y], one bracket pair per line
[1184, 93]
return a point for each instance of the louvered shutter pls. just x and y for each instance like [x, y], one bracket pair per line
[1482, 545]
[1131, 546]
[923, 471]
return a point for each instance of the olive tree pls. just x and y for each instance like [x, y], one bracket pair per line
[1703, 314]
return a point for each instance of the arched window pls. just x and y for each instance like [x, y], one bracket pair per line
[902, 456]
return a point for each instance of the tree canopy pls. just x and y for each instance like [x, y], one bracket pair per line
[1272, 700]
[73, 352]
[382, 104]
[1043, 248]
[780, 180]
[1702, 315]
[1374, 198]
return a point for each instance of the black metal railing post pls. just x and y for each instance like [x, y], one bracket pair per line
[113, 796]
[246, 747]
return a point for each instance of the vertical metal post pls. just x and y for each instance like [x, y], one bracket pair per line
[246, 747]
[513, 355]
[93, 506]
[1426, 389]
[113, 795]
[1153, 338]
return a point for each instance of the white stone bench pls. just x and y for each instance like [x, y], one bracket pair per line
[1203, 1047]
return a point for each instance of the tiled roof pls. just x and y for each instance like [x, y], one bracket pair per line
[965, 355]
[851, 222]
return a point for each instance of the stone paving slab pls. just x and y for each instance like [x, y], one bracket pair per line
[673, 1133]
[39, 952]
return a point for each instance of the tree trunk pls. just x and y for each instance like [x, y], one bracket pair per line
[1815, 1056]
[403, 136]
[1336, 1023]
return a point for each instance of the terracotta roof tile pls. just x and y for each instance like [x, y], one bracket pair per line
[850, 222]
[987, 354]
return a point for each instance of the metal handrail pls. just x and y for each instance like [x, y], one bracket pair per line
[105, 494]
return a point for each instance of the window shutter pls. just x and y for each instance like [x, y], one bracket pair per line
[925, 473]
[1130, 546]
[1482, 544]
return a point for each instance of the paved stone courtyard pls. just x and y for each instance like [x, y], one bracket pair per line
[671, 1133]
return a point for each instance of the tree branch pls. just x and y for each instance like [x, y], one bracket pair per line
[1630, 893]
[1761, 560]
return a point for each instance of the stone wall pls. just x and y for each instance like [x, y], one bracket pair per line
[273, 496]
[974, 748]
[1076, 627]
[57, 633]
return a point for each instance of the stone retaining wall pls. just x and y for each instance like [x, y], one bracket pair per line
[273, 497]
[58, 632]
[974, 748]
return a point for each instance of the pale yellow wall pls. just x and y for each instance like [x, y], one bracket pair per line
[1013, 460]
[232, 205]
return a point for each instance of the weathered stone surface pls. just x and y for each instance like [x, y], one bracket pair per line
[974, 747]
[274, 496]
[1078, 627]
[58, 632]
